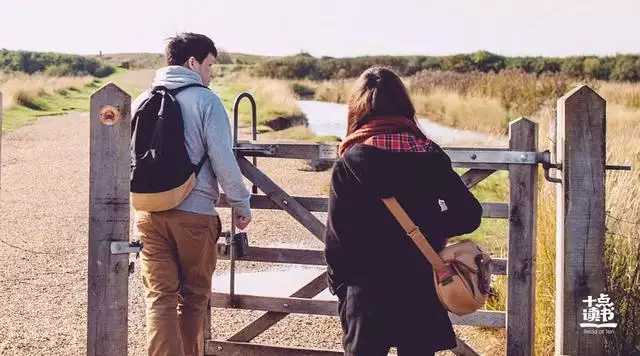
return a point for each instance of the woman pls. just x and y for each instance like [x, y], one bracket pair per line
[383, 282]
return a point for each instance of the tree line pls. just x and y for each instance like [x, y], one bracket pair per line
[50, 63]
[304, 66]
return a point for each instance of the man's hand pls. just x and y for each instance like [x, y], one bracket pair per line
[242, 222]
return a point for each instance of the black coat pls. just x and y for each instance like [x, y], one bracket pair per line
[366, 247]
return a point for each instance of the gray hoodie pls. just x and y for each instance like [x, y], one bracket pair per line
[206, 129]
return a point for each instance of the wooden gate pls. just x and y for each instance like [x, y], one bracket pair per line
[520, 159]
[581, 144]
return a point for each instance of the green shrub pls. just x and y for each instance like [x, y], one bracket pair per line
[50, 63]
[622, 67]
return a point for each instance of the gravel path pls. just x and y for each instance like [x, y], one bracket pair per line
[43, 228]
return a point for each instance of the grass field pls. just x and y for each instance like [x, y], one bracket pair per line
[26, 97]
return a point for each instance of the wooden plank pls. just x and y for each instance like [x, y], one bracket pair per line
[108, 221]
[522, 233]
[276, 304]
[581, 148]
[486, 166]
[281, 255]
[475, 176]
[293, 150]
[259, 201]
[499, 266]
[255, 328]
[282, 199]
[495, 210]
[229, 348]
[319, 204]
[486, 318]
[462, 349]
[315, 257]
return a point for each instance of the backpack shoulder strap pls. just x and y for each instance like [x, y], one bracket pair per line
[175, 91]
[201, 163]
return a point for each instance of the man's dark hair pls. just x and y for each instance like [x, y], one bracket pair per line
[188, 44]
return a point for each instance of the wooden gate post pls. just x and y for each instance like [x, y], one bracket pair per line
[523, 136]
[581, 149]
[108, 221]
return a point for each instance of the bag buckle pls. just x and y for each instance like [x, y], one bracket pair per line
[484, 276]
[414, 233]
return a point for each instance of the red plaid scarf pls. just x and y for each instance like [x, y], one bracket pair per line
[401, 142]
[381, 125]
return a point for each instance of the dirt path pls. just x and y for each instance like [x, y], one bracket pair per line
[43, 247]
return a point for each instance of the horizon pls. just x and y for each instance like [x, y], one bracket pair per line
[332, 28]
[324, 55]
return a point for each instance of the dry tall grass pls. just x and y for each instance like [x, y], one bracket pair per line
[624, 94]
[275, 101]
[622, 257]
[23, 89]
[471, 101]
[275, 97]
[455, 110]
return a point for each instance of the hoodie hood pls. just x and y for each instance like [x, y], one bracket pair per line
[392, 173]
[173, 77]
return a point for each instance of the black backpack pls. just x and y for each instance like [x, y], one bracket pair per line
[162, 174]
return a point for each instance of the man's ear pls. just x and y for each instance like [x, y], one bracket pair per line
[192, 63]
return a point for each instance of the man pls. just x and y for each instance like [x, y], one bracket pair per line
[179, 252]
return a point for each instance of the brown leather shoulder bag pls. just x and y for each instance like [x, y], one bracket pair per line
[461, 272]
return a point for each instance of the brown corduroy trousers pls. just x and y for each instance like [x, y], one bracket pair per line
[178, 259]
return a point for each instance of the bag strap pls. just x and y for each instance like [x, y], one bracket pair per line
[201, 163]
[175, 91]
[414, 232]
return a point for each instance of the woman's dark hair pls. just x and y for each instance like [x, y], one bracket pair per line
[378, 92]
[185, 45]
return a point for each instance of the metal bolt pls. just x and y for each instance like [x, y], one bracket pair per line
[474, 156]
[523, 157]
[118, 247]
[286, 305]
[219, 348]
[285, 202]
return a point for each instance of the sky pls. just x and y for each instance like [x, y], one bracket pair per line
[339, 28]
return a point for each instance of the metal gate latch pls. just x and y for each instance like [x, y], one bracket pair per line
[125, 247]
[544, 157]
[239, 240]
